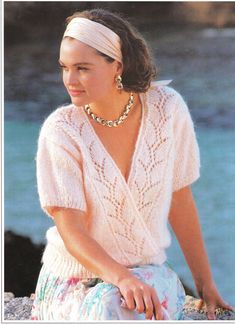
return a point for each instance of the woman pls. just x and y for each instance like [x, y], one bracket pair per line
[111, 167]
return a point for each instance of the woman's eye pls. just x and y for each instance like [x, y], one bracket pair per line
[66, 69]
[81, 68]
[62, 67]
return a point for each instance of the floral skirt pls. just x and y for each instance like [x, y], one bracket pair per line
[92, 299]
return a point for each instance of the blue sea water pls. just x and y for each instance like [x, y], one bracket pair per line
[214, 194]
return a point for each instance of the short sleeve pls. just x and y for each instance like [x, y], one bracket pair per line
[187, 156]
[59, 175]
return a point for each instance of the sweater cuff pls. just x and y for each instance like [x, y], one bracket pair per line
[186, 181]
[67, 202]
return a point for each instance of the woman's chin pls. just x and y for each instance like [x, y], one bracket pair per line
[78, 101]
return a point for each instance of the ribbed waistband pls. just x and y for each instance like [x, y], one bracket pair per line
[60, 262]
[63, 264]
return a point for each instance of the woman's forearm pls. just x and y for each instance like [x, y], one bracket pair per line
[185, 223]
[85, 249]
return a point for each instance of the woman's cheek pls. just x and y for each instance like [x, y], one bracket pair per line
[66, 77]
[91, 83]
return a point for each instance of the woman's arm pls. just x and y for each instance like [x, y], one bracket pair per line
[184, 220]
[72, 226]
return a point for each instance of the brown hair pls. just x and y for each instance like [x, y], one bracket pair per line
[138, 67]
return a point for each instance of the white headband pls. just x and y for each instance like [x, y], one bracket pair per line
[95, 35]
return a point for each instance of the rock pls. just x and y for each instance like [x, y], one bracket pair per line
[20, 309]
[8, 296]
[17, 308]
[22, 264]
[191, 311]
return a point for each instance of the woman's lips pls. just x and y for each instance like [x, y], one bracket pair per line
[75, 93]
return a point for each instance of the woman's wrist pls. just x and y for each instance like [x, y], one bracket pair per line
[203, 284]
[120, 273]
[204, 277]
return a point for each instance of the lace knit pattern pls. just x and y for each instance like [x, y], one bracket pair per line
[128, 219]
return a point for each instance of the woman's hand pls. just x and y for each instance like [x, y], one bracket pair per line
[140, 296]
[184, 220]
[212, 299]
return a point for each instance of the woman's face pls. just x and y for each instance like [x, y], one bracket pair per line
[87, 76]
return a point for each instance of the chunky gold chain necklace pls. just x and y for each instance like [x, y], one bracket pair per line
[111, 123]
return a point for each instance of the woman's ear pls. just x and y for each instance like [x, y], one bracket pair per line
[119, 68]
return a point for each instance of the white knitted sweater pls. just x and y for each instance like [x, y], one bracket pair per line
[128, 219]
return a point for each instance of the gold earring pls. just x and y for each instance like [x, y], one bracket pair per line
[119, 82]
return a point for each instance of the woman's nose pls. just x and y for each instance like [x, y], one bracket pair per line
[71, 79]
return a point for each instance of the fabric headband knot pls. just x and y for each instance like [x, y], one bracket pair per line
[95, 35]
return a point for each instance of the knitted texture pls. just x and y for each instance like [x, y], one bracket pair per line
[127, 218]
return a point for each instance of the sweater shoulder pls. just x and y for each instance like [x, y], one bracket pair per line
[166, 99]
[163, 92]
[58, 115]
[57, 122]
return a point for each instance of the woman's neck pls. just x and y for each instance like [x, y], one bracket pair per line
[110, 108]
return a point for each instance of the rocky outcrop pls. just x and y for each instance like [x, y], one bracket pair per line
[20, 309]
[218, 14]
[191, 311]
[17, 308]
[22, 263]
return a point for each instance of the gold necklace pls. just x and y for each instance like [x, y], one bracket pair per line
[111, 123]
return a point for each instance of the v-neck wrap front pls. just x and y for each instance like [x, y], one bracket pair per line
[139, 137]
[127, 218]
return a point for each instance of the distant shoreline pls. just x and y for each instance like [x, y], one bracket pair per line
[25, 21]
